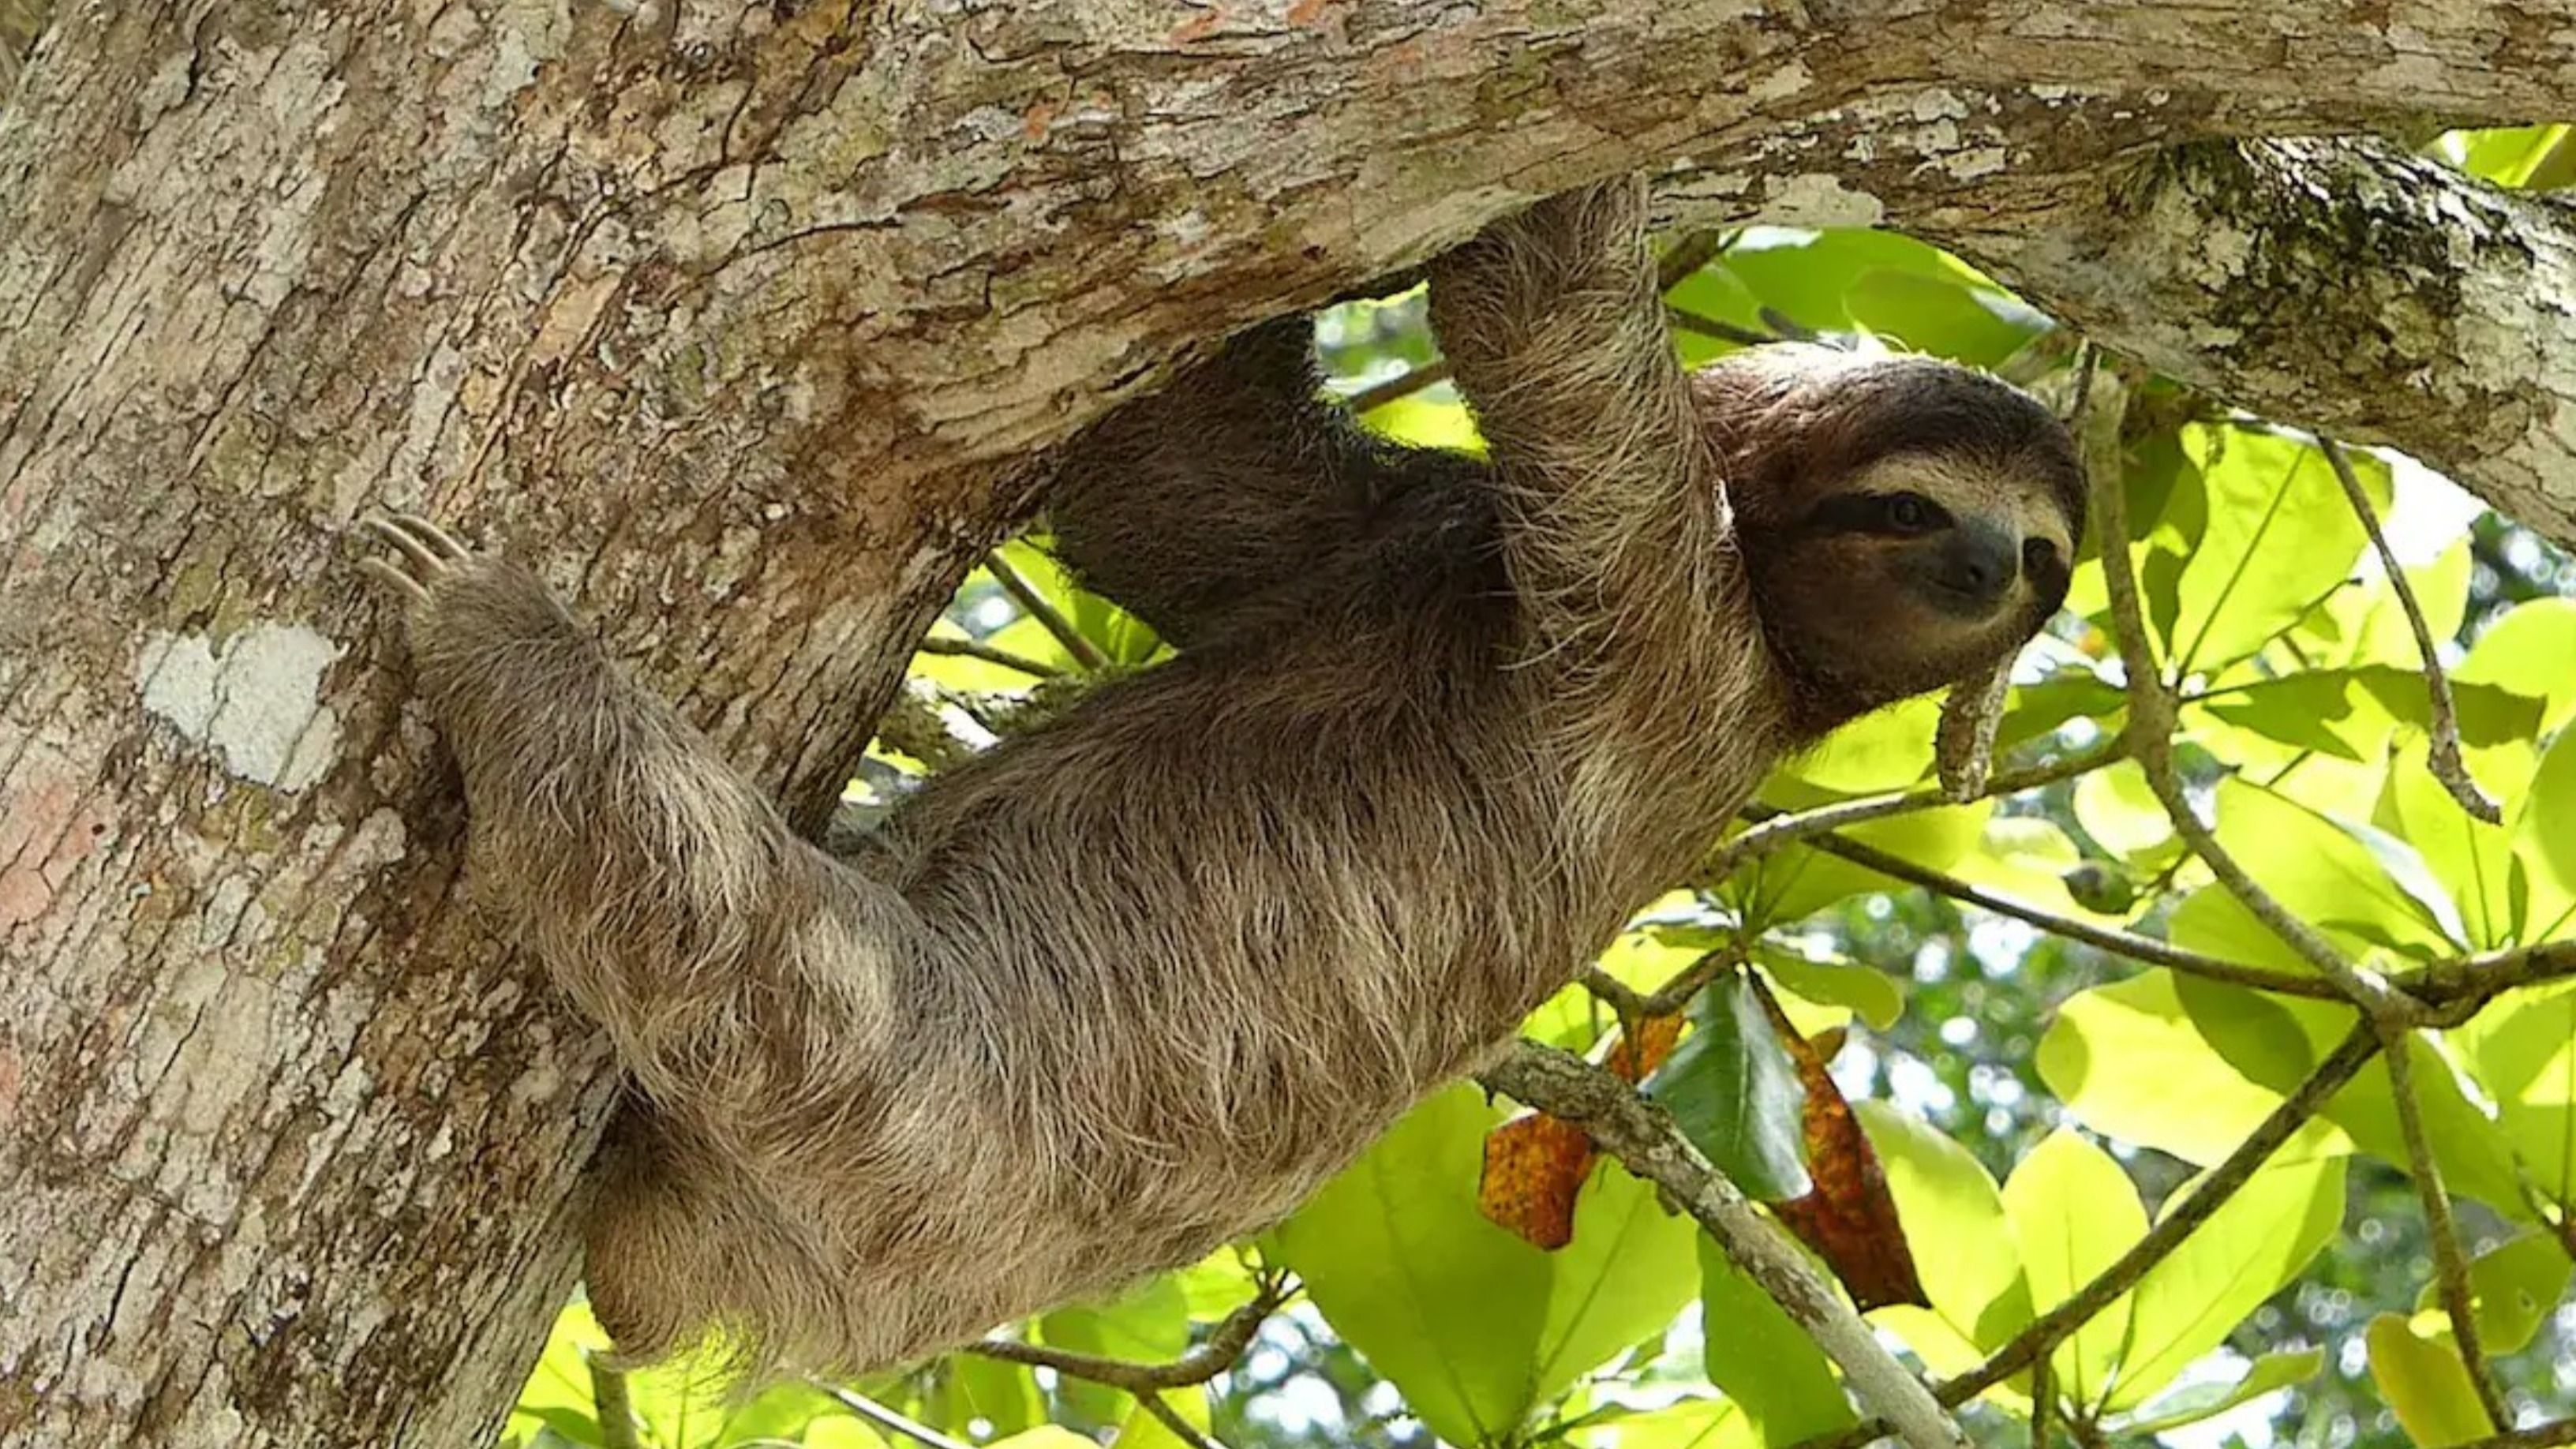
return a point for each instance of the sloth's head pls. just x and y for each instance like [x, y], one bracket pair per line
[1906, 522]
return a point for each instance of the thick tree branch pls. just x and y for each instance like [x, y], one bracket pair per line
[2346, 286]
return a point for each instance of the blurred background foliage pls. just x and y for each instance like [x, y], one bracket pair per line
[2032, 1099]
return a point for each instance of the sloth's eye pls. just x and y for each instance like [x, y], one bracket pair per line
[1913, 513]
[2038, 556]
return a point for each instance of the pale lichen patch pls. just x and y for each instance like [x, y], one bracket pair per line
[1816, 199]
[257, 701]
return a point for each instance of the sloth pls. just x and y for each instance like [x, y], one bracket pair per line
[1130, 985]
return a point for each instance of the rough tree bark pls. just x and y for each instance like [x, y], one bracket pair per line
[734, 320]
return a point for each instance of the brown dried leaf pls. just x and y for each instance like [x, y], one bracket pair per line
[1849, 1219]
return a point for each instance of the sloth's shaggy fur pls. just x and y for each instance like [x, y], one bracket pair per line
[1132, 984]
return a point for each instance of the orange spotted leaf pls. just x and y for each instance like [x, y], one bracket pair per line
[1848, 1218]
[1535, 1165]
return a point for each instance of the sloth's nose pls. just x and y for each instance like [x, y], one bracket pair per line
[1977, 563]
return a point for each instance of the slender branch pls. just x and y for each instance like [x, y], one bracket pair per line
[2042, 1334]
[1634, 1006]
[2043, 1397]
[1783, 828]
[2145, 949]
[2450, 1265]
[883, 1417]
[611, 1407]
[977, 649]
[1182, 1429]
[1084, 652]
[1707, 326]
[2444, 759]
[1402, 385]
[2179, 1222]
[1689, 252]
[1225, 1343]
[2151, 727]
[1640, 1135]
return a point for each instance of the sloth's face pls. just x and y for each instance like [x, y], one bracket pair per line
[1921, 570]
[1906, 522]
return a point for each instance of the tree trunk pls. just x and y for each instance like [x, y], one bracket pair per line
[734, 322]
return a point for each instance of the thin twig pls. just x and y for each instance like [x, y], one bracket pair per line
[1773, 831]
[1084, 652]
[1635, 1006]
[2180, 1221]
[2444, 758]
[611, 1407]
[1225, 1343]
[1182, 1429]
[2042, 1334]
[1640, 1135]
[2145, 949]
[2043, 1397]
[978, 649]
[1689, 252]
[2151, 727]
[883, 1417]
[1707, 326]
[1402, 385]
[2450, 1264]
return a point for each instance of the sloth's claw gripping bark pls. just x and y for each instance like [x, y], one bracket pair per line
[424, 552]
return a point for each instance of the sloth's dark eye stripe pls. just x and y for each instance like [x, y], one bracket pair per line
[1860, 513]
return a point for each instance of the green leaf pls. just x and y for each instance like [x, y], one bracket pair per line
[1795, 882]
[1044, 1436]
[1888, 749]
[1734, 1093]
[557, 1393]
[2358, 886]
[1945, 316]
[1472, 1325]
[1150, 1324]
[1811, 278]
[1443, 1304]
[2256, 1242]
[2474, 861]
[1143, 1431]
[1689, 1424]
[2526, 652]
[1760, 1358]
[2350, 713]
[1944, 1197]
[2280, 537]
[2122, 815]
[2130, 1062]
[968, 1387]
[845, 1431]
[2424, 1381]
[2541, 845]
[2522, 1050]
[2208, 1401]
[2365, 623]
[1875, 996]
[1626, 1275]
[1426, 421]
[2073, 1213]
[2512, 1287]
